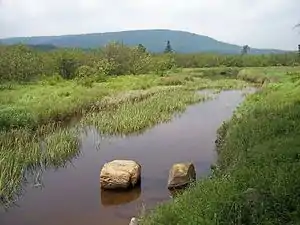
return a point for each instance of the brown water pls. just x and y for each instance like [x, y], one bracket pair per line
[72, 195]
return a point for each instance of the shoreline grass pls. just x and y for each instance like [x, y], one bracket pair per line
[133, 117]
[24, 150]
[108, 105]
[37, 104]
[256, 180]
[21, 149]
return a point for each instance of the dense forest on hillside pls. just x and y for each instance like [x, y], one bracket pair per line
[153, 40]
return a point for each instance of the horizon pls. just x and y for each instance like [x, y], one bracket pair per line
[262, 24]
[154, 29]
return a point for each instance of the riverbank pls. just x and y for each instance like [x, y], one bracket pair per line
[35, 118]
[40, 121]
[256, 180]
[186, 136]
[48, 101]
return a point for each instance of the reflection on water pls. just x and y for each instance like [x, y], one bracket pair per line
[112, 198]
[72, 195]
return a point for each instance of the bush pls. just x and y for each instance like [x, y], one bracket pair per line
[15, 117]
[163, 63]
[24, 64]
[19, 63]
[85, 76]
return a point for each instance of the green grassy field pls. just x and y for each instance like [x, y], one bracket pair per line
[256, 180]
[44, 102]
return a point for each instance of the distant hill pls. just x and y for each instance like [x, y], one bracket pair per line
[153, 40]
[42, 47]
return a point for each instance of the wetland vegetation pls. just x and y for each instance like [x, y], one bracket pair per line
[47, 97]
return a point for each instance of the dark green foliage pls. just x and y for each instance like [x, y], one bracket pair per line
[23, 64]
[214, 60]
[168, 48]
[67, 67]
[142, 48]
[245, 50]
[15, 117]
[19, 63]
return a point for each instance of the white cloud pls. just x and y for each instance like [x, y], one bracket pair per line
[264, 24]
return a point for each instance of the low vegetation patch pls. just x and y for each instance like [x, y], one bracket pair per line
[256, 180]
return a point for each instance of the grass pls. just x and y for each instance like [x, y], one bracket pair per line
[134, 117]
[23, 150]
[256, 180]
[121, 105]
[40, 103]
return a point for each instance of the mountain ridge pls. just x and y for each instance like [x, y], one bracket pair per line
[154, 40]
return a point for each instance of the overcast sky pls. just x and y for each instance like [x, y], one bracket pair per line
[258, 23]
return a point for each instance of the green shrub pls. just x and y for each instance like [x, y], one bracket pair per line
[15, 117]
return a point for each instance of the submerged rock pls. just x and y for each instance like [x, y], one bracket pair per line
[181, 174]
[120, 174]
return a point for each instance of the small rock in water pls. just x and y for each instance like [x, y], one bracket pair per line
[180, 175]
[133, 221]
[120, 174]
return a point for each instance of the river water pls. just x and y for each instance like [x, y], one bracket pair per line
[72, 195]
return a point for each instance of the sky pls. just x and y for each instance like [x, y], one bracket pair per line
[258, 23]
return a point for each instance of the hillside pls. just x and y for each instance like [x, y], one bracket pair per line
[153, 40]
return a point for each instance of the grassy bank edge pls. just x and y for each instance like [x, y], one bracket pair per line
[256, 180]
[21, 150]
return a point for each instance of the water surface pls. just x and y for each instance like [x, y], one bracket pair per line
[72, 195]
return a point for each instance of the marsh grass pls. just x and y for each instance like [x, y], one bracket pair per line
[134, 117]
[256, 180]
[267, 74]
[41, 103]
[33, 116]
[23, 150]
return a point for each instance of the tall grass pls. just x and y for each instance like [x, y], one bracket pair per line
[23, 150]
[256, 180]
[137, 116]
[120, 105]
[41, 103]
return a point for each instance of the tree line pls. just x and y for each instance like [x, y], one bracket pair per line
[23, 63]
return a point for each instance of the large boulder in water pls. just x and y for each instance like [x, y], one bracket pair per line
[120, 174]
[180, 175]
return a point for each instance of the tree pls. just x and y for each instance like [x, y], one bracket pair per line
[139, 61]
[245, 50]
[142, 48]
[67, 66]
[168, 48]
[19, 63]
[118, 55]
